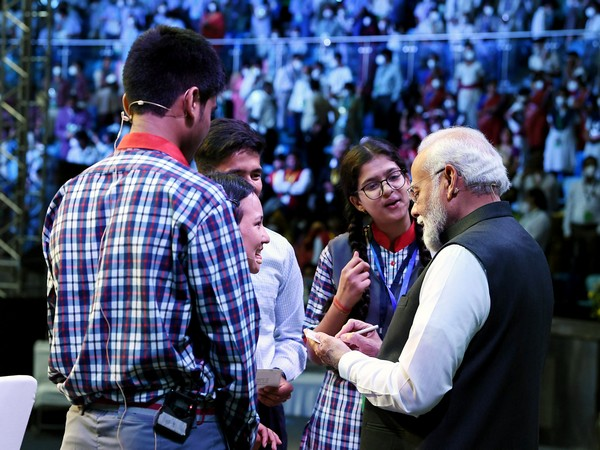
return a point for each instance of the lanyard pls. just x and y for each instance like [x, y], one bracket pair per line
[409, 261]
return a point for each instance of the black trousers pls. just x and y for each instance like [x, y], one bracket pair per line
[274, 418]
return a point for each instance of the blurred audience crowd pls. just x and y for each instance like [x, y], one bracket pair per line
[536, 98]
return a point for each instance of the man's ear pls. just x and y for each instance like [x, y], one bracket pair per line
[125, 103]
[191, 100]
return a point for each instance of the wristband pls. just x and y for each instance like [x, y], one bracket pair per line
[340, 307]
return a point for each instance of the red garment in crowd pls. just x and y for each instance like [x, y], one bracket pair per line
[535, 125]
[491, 118]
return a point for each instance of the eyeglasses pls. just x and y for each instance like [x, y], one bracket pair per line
[374, 189]
[414, 195]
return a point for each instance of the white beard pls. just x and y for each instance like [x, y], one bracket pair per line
[434, 223]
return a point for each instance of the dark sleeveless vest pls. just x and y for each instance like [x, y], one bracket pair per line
[494, 401]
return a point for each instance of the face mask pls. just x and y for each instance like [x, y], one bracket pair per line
[261, 12]
[572, 86]
[327, 13]
[379, 60]
[538, 85]
[589, 171]
[448, 104]
[162, 9]
[297, 65]
[72, 70]
[382, 26]
[488, 10]
[469, 55]
[316, 73]
[431, 63]
[435, 83]
[590, 12]
[366, 21]
[560, 101]
[212, 7]
[56, 71]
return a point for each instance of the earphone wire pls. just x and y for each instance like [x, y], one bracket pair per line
[118, 385]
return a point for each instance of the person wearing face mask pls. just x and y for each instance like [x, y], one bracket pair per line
[487, 49]
[325, 23]
[592, 23]
[534, 216]
[535, 122]
[283, 83]
[431, 70]
[592, 128]
[468, 76]
[561, 142]
[212, 24]
[338, 76]
[80, 84]
[387, 86]
[581, 223]
[434, 95]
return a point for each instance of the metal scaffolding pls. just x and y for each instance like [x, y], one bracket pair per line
[23, 123]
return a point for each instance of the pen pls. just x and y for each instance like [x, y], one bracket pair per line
[366, 330]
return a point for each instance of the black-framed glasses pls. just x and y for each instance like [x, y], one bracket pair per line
[414, 195]
[374, 189]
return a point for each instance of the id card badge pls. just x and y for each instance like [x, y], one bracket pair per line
[176, 417]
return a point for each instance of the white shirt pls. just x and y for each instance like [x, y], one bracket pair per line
[454, 304]
[279, 290]
[582, 205]
[537, 223]
[337, 79]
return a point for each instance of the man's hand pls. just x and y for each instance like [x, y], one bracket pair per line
[368, 343]
[273, 396]
[330, 350]
[265, 437]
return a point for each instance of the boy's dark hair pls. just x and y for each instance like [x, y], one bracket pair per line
[225, 137]
[166, 61]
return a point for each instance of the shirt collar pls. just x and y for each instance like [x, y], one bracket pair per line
[401, 242]
[152, 142]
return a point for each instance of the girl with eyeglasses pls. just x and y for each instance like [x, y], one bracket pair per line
[362, 274]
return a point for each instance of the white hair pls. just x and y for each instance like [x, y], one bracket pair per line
[474, 158]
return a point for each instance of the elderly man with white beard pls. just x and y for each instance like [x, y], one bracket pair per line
[461, 364]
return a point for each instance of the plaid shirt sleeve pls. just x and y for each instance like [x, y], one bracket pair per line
[322, 290]
[230, 321]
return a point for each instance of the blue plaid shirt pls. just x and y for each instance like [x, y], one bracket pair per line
[133, 245]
